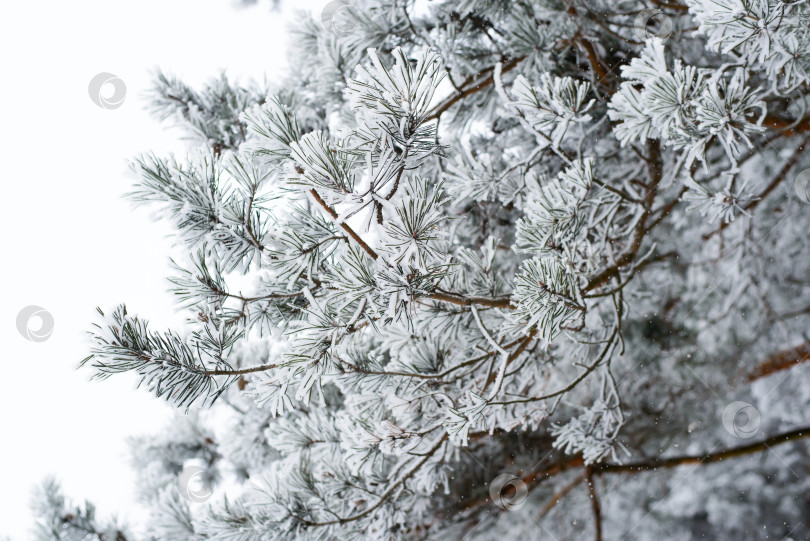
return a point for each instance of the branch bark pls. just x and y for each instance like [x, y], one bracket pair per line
[568, 463]
[474, 84]
[701, 459]
[655, 174]
[781, 360]
[595, 505]
[368, 249]
[777, 180]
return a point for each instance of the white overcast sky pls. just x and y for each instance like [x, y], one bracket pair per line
[70, 242]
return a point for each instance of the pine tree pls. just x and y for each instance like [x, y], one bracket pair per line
[486, 269]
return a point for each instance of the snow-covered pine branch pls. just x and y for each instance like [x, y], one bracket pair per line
[474, 238]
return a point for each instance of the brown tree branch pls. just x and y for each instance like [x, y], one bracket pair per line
[595, 505]
[568, 463]
[701, 459]
[240, 371]
[777, 180]
[787, 126]
[461, 300]
[344, 225]
[514, 355]
[555, 499]
[781, 360]
[655, 174]
[477, 83]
